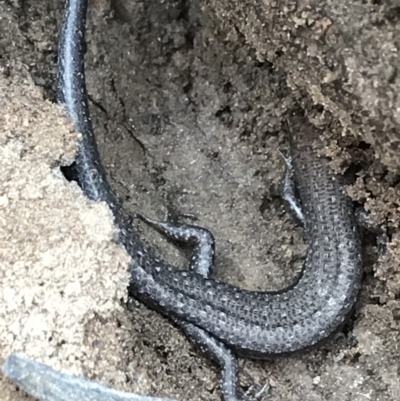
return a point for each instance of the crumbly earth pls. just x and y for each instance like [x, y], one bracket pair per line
[188, 102]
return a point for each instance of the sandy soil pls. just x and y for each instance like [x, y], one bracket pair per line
[189, 120]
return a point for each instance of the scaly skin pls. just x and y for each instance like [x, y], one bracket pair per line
[215, 314]
[257, 324]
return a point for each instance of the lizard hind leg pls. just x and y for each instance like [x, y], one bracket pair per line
[289, 193]
[202, 259]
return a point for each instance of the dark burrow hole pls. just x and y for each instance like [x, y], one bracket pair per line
[70, 172]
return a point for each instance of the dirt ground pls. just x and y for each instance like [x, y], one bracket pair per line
[188, 113]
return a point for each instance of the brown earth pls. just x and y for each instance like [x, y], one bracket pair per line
[188, 100]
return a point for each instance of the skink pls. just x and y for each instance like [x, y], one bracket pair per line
[216, 314]
[258, 324]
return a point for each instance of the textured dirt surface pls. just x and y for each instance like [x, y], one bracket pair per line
[188, 100]
[60, 273]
